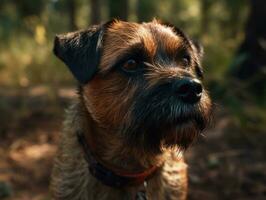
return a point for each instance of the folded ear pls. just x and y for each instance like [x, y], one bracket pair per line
[80, 51]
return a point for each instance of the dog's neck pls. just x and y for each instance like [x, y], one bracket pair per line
[111, 150]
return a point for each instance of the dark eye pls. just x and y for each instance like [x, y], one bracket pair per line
[185, 60]
[130, 65]
[199, 72]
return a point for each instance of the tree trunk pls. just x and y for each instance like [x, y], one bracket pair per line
[118, 9]
[251, 57]
[95, 11]
[146, 10]
[72, 7]
[205, 6]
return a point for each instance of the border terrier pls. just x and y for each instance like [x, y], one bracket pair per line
[141, 103]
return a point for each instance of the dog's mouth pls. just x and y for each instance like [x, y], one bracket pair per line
[172, 113]
[182, 128]
[159, 118]
[194, 117]
[167, 121]
[182, 131]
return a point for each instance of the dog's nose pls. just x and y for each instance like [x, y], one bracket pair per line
[188, 90]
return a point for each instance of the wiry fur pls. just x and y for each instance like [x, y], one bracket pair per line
[71, 179]
[134, 121]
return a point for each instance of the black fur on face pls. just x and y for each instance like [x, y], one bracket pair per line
[160, 119]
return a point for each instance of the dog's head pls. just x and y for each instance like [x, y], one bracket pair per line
[142, 82]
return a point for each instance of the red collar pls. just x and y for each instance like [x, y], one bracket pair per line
[111, 177]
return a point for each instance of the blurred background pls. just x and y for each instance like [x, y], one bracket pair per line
[35, 88]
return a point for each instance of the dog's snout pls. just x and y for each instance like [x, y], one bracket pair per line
[188, 90]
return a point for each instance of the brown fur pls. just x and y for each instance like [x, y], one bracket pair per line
[72, 180]
[106, 105]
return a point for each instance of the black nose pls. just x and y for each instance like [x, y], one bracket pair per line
[188, 90]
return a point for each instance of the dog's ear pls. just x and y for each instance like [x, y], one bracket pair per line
[80, 51]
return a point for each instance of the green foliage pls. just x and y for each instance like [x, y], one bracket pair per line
[115, 10]
[36, 64]
[146, 10]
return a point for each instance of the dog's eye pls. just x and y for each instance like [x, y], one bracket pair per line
[185, 60]
[130, 65]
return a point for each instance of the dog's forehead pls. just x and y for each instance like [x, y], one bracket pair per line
[152, 36]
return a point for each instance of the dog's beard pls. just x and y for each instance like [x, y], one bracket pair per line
[160, 120]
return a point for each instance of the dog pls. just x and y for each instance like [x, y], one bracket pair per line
[140, 104]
